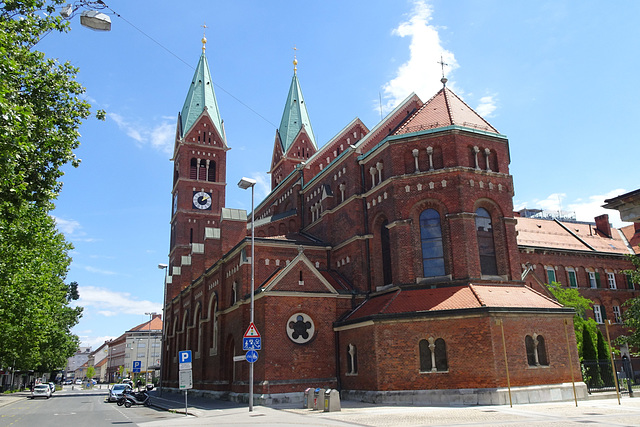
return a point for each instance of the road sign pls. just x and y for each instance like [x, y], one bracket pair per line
[252, 332]
[184, 359]
[252, 343]
[137, 365]
[252, 356]
[185, 379]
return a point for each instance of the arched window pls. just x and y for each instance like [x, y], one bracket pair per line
[352, 360]
[213, 318]
[193, 169]
[433, 355]
[431, 238]
[486, 246]
[211, 174]
[202, 170]
[385, 245]
[536, 350]
[198, 330]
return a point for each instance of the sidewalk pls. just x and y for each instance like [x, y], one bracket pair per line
[595, 412]
[8, 399]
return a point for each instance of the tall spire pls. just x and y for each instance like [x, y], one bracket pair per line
[201, 97]
[295, 115]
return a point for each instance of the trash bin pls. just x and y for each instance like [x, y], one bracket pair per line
[318, 399]
[307, 403]
[331, 400]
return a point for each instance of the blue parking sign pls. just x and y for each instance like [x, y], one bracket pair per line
[137, 365]
[184, 356]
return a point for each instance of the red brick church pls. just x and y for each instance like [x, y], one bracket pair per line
[386, 263]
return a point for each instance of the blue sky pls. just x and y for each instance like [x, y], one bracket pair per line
[559, 78]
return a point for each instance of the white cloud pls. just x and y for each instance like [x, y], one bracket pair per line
[159, 136]
[422, 72]
[109, 303]
[487, 106]
[99, 271]
[67, 226]
[93, 342]
[585, 210]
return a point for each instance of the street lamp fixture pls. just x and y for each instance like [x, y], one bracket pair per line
[246, 183]
[91, 18]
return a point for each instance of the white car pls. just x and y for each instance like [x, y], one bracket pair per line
[116, 391]
[41, 390]
[79, 381]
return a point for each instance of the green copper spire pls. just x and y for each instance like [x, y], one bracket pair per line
[200, 97]
[295, 116]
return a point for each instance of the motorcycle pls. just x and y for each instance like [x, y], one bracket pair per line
[130, 398]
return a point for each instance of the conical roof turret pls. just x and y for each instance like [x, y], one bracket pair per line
[295, 117]
[200, 98]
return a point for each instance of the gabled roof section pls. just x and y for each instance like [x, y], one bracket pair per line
[295, 117]
[567, 236]
[445, 109]
[201, 98]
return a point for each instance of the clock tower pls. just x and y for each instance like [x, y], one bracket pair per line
[199, 179]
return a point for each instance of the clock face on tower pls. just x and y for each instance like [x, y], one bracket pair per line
[202, 200]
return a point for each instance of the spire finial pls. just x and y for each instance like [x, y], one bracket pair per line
[442, 64]
[204, 37]
[295, 61]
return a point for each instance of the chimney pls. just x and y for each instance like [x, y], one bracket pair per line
[602, 225]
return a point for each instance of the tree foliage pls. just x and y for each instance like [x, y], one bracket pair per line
[40, 107]
[570, 297]
[631, 314]
[41, 110]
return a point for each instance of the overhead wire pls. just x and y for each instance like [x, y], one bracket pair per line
[189, 65]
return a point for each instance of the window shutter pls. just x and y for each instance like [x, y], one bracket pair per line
[629, 281]
[597, 279]
[604, 313]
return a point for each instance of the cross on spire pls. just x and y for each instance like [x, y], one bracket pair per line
[295, 61]
[442, 64]
[204, 36]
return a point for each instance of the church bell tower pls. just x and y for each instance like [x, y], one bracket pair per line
[199, 179]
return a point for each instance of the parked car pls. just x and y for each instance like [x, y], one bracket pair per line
[53, 387]
[68, 381]
[41, 390]
[79, 381]
[116, 391]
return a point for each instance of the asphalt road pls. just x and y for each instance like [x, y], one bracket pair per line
[76, 408]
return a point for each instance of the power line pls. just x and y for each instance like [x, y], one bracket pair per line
[190, 66]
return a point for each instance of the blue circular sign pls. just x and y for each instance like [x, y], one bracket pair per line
[251, 356]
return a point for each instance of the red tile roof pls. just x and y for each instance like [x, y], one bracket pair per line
[444, 109]
[544, 233]
[632, 237]
[452, 298]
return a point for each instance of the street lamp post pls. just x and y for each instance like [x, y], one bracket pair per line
[146, 366]
[164, 267]
[244, 184]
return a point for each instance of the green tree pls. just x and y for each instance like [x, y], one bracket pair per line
[570, 297]
[631, 314]
[40, 104]
[604, 358]
[590, 360]
[41, 110]
[36, 315]
[91, 372]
